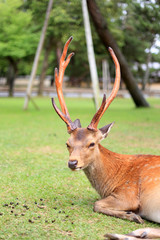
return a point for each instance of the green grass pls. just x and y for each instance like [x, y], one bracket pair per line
[33, 166]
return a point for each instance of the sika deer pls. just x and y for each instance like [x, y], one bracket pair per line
[129, 185]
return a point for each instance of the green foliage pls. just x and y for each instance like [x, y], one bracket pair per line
[18, 39]
[33, 166]
[113, 12]
[65, 21]
[134, 25]
[141, 24]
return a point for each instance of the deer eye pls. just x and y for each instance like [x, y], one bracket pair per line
[91, 144]
[68, 146]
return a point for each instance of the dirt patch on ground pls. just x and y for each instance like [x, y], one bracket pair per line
[43, 150]
[137, 142]
[157, 106]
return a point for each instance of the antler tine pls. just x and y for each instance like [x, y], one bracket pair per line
[106, 102]
[59, 81]
[59, 77]
[65, 118]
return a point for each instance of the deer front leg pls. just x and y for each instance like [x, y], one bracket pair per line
[112, 206]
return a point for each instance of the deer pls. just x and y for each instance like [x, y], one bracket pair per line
[129, 185]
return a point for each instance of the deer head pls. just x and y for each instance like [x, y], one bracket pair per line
[83, 144]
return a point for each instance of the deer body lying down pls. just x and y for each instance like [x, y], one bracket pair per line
[129, 185]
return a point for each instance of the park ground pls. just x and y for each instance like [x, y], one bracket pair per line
[40, 197]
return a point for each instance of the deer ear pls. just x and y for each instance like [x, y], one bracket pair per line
[105, 130]
[77, 123]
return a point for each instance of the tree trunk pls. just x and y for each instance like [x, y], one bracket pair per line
[58, 52]
[11, 75]
[108, 41]
[37, 56]
[45, 66]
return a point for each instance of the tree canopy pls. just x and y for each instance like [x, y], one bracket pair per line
[134, 25]
[18, 38]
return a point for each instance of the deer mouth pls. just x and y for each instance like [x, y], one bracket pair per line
[78, 168]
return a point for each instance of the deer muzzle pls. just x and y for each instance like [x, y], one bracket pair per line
[72, 164]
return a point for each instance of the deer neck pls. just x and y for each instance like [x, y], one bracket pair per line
[106, 172]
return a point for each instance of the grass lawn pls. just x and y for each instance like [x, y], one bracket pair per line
[40, 198]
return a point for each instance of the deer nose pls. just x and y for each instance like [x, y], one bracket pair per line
[72, 164]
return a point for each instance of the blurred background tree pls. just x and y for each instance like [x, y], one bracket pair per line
[18, 39]
[140, 23]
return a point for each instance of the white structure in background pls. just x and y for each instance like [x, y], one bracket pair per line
[91, 57]
[106, 79]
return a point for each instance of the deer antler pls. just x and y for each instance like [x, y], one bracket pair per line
[106, 102]
[58, 81]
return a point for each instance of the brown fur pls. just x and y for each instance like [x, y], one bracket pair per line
[129, 185]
